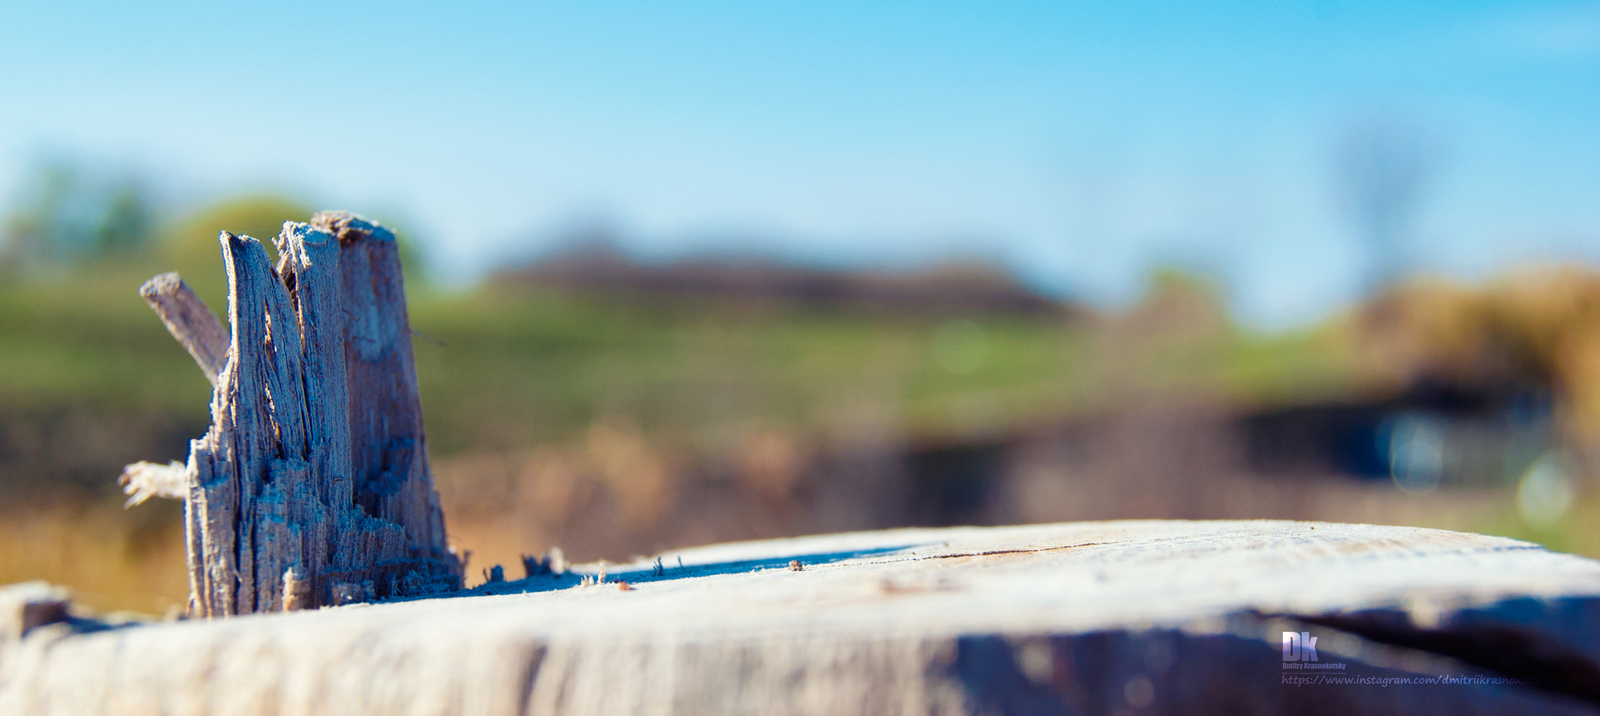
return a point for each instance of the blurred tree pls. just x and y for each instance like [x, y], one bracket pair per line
[128, 223]
[27, 240]
[1382, 168]
[68, 216]
[191, 246]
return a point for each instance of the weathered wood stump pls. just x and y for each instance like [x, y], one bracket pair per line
[312, 486]
[1091, 618]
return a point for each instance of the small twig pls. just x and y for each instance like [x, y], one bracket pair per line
[144, 480]
[189, 320]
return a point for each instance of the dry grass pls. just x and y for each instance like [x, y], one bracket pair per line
[113, 560]
[503, 506]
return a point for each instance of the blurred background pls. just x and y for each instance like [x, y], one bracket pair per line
[693, 272]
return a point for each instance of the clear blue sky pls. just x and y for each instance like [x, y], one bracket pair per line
[1079, 142]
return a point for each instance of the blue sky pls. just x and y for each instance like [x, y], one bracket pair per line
[1079, 143]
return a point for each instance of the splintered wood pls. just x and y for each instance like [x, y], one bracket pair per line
[312, 486]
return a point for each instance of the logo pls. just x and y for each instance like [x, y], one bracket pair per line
[1299, 646]
[1300, 654]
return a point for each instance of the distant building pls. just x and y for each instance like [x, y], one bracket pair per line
[958, 287]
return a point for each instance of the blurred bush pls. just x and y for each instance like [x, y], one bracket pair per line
[1535, 327]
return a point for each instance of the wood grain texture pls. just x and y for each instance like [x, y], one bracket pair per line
[391, 477]
[306, 492]
[1088, 618]
[190, 321]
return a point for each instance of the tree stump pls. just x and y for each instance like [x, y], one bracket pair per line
[1136, 617]
[312, 486]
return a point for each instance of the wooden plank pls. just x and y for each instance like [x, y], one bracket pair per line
[1113, 617]
[257, 368]
[389, 458]
[309, 264]
[312, 259]
[212, 513]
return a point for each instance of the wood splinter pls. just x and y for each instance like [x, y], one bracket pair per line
[312, 486]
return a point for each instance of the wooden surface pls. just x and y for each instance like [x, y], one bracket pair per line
[388, 467]
[1114, 617]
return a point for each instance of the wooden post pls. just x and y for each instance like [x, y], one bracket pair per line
[312, 486]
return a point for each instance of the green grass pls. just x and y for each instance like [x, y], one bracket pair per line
[75, 341]
[502, 368]
[520, 367]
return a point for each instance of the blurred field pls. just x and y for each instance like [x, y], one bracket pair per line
[614, 423]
